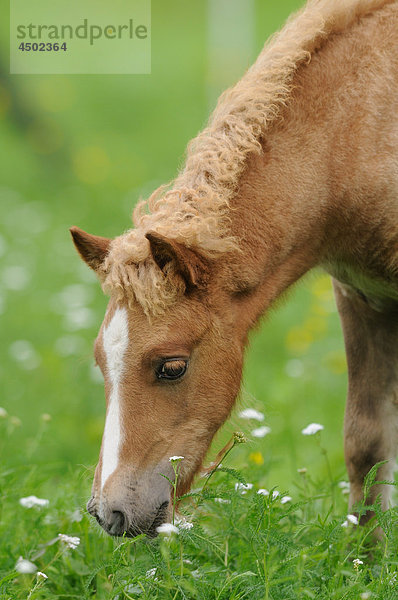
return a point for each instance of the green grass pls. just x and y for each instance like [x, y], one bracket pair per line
[247, 545]
[81, 150]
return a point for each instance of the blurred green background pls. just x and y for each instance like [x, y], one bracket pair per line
[80, 150]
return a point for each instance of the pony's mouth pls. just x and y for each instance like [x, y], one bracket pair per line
[160, 518]
[121, 527]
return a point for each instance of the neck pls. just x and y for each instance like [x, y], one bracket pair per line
[277, 218]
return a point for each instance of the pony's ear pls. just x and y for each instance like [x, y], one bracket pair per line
[189, 264]
[92, 248]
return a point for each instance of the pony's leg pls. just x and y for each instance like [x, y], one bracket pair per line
[371, 418]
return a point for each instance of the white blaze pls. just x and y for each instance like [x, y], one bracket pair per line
[115, 341]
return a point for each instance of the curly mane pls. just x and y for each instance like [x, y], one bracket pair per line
[195, 210]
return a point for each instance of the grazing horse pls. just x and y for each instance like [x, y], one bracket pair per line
[297, 167]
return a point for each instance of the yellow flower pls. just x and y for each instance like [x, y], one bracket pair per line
[256, 458]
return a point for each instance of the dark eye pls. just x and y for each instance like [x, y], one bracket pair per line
[173, 368]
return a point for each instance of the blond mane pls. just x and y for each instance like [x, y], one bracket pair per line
[195, 210]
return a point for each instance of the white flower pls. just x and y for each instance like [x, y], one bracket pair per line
[344, 486]
[251, 413]
[263, 492]
[312, 428]
[69, 541]
[167, 528]
[243, 487]
[41, 575]
[261, 432]
[352, 519]
[151, 573]
[25, 566]
[31, 501]
[285, 499]
[183, 523]
[302, 471]
[175, 458]
[357, 562]
[3, 413]
[222, 500]
[275, 494]
[365, 595]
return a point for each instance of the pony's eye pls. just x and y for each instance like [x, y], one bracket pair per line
[173, 368]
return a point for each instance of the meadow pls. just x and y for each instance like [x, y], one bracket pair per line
[81, 151]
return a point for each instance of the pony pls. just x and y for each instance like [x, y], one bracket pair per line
[297, 168]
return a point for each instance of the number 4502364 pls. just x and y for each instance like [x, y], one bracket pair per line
[42, 47]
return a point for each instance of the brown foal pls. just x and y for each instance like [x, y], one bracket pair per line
[298, 167]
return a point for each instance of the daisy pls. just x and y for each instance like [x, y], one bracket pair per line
[350, 519]
[31, 501]
[243, 487]
[25, 566]
[344, 486]
[286, 499]
[251, 413]
[185, 524]
[261, 432]
[70, 541]
[41, 575]
[312, 429]
[167, 528]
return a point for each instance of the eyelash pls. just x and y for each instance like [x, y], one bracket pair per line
[180, 369]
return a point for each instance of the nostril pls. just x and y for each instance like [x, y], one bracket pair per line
[117, 523]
